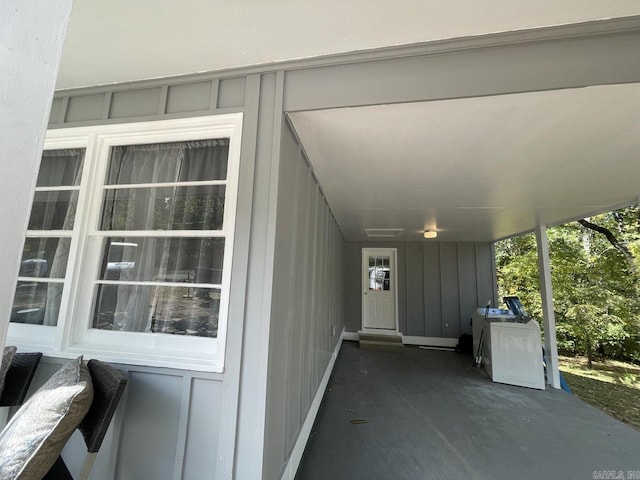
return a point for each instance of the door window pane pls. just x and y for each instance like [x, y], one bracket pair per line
[164, 259]
[379, 273]
[157, 309]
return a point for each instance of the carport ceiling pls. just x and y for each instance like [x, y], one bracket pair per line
[477, 169]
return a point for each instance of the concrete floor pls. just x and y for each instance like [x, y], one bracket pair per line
[431, 415]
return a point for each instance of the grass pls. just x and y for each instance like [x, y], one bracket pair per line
[611, 386]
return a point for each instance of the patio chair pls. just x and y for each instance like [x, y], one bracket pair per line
[21, 371]
[108, 385]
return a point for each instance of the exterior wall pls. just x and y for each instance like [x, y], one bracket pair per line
[439, 285]
[165, 427]
[307, 307]
[179, 424]
[148, 101]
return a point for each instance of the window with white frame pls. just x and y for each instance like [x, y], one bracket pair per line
[129, 248]
[46, 248]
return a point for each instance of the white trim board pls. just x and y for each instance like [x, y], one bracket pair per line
[379, 331]
[411, 340]
[298, 449]
[430, 341]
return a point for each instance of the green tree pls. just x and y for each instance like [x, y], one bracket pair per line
[594, 264]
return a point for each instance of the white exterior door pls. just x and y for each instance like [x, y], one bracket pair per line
[379, 289]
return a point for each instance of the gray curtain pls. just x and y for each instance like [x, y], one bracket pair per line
[160, 208]
[59, 168]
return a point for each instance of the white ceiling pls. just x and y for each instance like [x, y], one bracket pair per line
[122, 40]
[480, 168]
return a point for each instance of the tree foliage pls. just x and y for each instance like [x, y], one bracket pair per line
[594, 265]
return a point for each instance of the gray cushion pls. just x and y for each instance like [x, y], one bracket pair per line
[33, 439]
[7, 356]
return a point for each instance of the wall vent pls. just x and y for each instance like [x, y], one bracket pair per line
[382, 232]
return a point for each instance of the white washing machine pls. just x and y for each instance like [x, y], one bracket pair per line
[477, 319]
[512, 351]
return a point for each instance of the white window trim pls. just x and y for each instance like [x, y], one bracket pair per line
[72, 336]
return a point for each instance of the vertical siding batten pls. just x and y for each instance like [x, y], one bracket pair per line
[414, 294]
[249, 458]
[227, 434]
[64, 107]
[306, 294]
[467, 280]
[183, 422]
[213, 97]
[312, 294]
[432, 285]
[106, 107]
[292, 420]
[300, 303]
[486, 279]
[162, 101]
[449, 290]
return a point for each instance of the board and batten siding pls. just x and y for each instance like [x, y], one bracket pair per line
[176, 424]
[439, 285]
[307, 304]
[161, 429]
[168, 98]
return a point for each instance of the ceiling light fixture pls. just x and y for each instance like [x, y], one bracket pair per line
[430, 234]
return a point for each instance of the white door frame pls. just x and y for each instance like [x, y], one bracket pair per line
[364, 287]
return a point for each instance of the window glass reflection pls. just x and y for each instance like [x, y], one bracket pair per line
[157, 309]
[165, 208]
[60, 167]
[36, 303]
[45, 257]
[164, 259]
[53, 210]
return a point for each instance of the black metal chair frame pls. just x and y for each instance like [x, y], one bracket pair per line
[19, 376]
[108, 386]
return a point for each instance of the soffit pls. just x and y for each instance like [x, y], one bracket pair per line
[111, 41]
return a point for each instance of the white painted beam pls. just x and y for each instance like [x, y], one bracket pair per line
[544, 268]
[31, 38]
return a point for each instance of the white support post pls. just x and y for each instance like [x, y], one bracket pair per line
[544, 268]
[31, 38]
